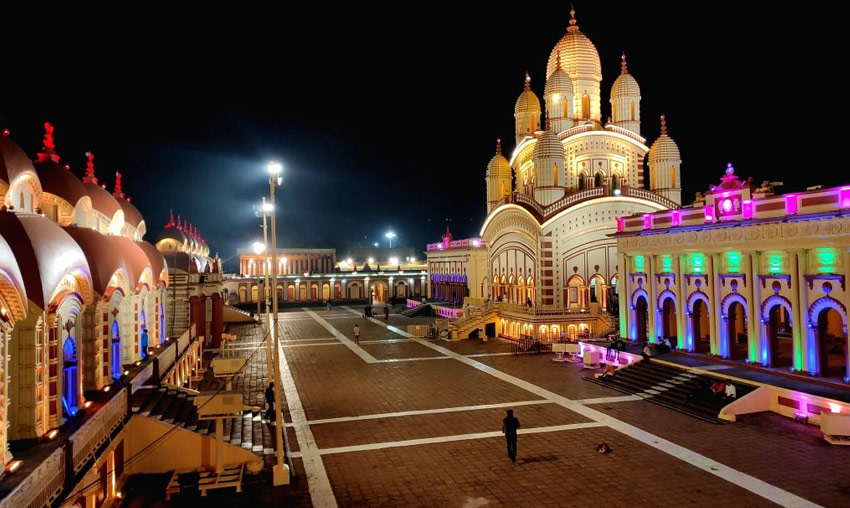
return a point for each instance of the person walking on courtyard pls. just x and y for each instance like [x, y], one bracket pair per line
[356, 334]
[509, 428]
[270, 401]
[329, 305]
[386, 312]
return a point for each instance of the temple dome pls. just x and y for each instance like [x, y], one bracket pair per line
[625, 86]
[58, 180]
[527, 102]
[548, 146]
[13, 161]
[132, 216]
[101, 200]
[579, 56]
[103, 258]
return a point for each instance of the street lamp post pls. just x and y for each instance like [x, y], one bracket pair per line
[390, 235]
[280, 470]
[260, 248]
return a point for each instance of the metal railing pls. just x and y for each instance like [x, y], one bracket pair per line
[43, 485]
[95, 432]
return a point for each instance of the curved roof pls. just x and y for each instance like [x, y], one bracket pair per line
[56, 179]
[578, 55]
[559, 82]
[45, 254]
[13, 160]
[499, 165]
[101, 200]
[155, 259]
[181, 261]
[10, 270]
[104, 259]
[664, 148]
[625, 86]
[527, 103]
[172, 233]
[135, 258]
[132, 216]
[548, 146]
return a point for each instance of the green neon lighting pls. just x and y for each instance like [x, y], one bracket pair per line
[774, 263]
[666, 263]
[697, 262]
[640, 263]
[827, 259]
[733, 259]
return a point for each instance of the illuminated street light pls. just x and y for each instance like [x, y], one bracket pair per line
[390, 235]
[267, 207]
[376, 244]
[259, 248]
[393, 261]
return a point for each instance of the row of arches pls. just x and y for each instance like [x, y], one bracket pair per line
[824, 337]
[544, 332]
[378, 291]
[513, 289]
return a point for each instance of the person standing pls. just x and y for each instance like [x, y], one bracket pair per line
[144, 343]
[386, 312]
[329, 305]
[509, 428]
[270, 402]
[356, 334]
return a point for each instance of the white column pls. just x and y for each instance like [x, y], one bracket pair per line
[714, 311]
[622, 274]
[651, 307]
[800, 324]
[753, 321]
[810, 358]
[681, 299]
[760, 337]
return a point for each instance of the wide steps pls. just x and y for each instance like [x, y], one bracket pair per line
[669, 387]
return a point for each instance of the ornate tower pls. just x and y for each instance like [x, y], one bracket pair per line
[549, 162]
[625, 100]
[559, 96]
[527, 112]
[665, 165]
[498, 178]
[581, 62]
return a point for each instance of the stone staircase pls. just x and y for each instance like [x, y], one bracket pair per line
[669, 387]
[176, 406]
[461, 327]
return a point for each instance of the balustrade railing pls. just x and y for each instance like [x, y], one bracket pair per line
[43, 485]
[95, 432]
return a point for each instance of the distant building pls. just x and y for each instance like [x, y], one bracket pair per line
[744, 275]
[457, 269]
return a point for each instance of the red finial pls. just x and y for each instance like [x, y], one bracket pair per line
[49, 147]
[527, 81]
[623, 68]
[6, 132]
[663, 126]
[573, 26]
[117, 191]
[178, 222]
[170, 219]
[90, 178]
[498, 146]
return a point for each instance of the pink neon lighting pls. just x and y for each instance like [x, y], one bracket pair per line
[727, 205]
[709, 213]
[790, 204]
[747, 208]
[844, 197]
[621, 224]
[647, 221]
[677, 218]
[833, 407]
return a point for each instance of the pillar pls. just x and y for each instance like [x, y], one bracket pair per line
[799, 279]
[760, 339]
[651, 305]
[845, 299]
[753, 321]
[714, 311]
[800, 323]
[681, 306]
[623, 274]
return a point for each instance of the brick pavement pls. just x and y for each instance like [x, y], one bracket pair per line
[554, 468]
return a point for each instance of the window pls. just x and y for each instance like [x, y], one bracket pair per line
[632, 106]
[585, 106]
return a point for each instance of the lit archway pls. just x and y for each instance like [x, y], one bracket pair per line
[667, 326]
[777, 348]
[734, 340]
[698, 329]
[70, 385]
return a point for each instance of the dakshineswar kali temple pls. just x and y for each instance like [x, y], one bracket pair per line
[554, 199]
[89, 313]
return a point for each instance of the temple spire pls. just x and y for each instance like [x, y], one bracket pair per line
[170, 219]
[117, 192]
[527, 81]
[623, 68]
[90, 178]
[573, 26]
[663, 125]
[179, 226]
[49, 153]
[498, 146]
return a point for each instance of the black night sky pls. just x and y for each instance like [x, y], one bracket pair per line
[387, 118]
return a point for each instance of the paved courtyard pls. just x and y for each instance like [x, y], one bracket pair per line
[400, 421]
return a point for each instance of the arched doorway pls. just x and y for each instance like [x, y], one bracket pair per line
[302, 292]
[669, 328]
[780, 337]
[314, 291]
[700, 326]
[326, 291]
[641, 318]
[598, 179]
[116, 351]
[243, 293]
[379, 293]
[290, 292]
[69, 376]
[832, 343]
[255, 293]
[736, 332]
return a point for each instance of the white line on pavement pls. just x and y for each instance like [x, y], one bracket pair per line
[610, 400]
[479, 355]
[313, 344]
[449, 439]
[345, 340]
[759, 487]
[397, 360]
[321, 493]
[456, 409]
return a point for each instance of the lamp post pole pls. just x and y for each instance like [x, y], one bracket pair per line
[269, 353]
[281, 470]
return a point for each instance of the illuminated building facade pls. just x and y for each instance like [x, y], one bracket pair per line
[314, 276]
[551, 263]
[80, 290]
[743, 274]
[457, 269]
